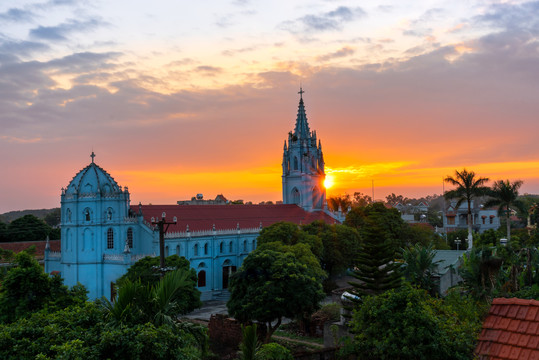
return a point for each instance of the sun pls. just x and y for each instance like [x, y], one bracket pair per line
[329, 181]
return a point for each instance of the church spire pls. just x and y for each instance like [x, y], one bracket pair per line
[302, 130]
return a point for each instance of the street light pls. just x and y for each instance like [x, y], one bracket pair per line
[458, 241]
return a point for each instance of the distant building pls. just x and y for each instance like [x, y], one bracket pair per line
[482, 219]
[103, 234]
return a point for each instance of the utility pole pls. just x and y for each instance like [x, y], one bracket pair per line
[162, 230]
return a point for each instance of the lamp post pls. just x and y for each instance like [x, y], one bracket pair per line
[458, 241]
[162, 230]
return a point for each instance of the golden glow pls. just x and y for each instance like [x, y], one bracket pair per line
[329, 181]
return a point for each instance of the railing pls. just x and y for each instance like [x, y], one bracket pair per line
[113, 257]
[121, 257]
[184, 234]
[54, 255]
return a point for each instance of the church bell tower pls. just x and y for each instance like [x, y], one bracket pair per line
[303, 165]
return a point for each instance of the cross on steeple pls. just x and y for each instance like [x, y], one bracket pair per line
[301, 93]
[92, 156]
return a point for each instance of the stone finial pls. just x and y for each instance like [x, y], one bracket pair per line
[261, 224]
[213, 228]
[47, 244]
[140, 208]
[238, 226]
[187, 228]
[126, 247]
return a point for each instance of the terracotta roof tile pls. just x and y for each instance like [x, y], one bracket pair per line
[23, 245]
[532, 312]
[227, 217]
[513, 325]
[511, 330]
[523, 327]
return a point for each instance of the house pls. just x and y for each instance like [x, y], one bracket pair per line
[482, 218]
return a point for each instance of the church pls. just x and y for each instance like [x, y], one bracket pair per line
[102, 234]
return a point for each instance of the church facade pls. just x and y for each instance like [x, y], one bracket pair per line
[103, 234]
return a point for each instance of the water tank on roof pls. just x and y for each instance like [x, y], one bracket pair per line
[200, 196]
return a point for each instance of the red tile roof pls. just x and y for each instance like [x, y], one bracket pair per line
[23, 245]
[226, 217]
[511, 330]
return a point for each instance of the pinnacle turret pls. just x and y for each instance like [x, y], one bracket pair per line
[302, 130]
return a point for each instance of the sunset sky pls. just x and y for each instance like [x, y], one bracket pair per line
[183, 97]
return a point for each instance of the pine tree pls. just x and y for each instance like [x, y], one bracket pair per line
[377, 270]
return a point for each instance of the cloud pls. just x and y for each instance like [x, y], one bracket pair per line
[232, 52]
[345, 51]
[208, 70]
[332, 20]
[17, 15]
[60, 32]
[22, 48]
[512, 16]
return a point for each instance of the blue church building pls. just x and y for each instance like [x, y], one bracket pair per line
[102, 234]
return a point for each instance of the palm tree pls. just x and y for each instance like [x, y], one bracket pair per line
[505, 194]
[468, 187]
[420, 266]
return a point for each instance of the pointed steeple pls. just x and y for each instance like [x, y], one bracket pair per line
[302, 130]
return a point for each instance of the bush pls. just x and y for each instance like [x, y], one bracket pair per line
[273, 351]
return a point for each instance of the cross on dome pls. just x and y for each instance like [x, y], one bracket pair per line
[92, 156]
[301, 93]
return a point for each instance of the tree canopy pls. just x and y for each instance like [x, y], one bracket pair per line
[271, 285]
[505, 194]
[29, 228]
[290, 234]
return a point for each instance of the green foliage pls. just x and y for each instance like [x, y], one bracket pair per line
[27, 289]
[420, 268]
[249, 344]
[330, 312]
[28, 228]
[147, 271]
[505, 195]
[53, 217]
[3, 232]
[290, 234]
[340, 246]
[376, 269]
[81, 332]
[273, 351]
[159, 304]
[388, 223]
[271, 285]
[424, 235]
[409, 324]
[480, 271]
[462, 235]
[301, 252]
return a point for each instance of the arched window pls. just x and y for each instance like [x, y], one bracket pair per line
[68, 215]
[221, 247]
[196, 249]
[178, 250]
[230, 247]
[295, 162]
[206, 249]
[87, 214]
[109, 214]
[130, 238]
[295, 196]
[201, 278]
[110, 239]
[244, 245]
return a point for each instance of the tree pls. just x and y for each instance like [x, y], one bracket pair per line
[160, 303]
[388, 222]
[420, 268]
[53, 217]
[27, 289]
[409, 324]
[505, 194]
[342, 202]
[468, 186]
[290, 234]
[28, 228]
[340, 245]
[271, 285]
[147, 271]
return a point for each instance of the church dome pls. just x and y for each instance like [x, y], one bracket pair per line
[91, 180]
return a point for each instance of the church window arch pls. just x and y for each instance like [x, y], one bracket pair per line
[196, 249]
[87, 215]
[68, 215]
[201, 278]
[221, 247]
[110, 238]
[206, 249]
[295, 162]
[244, 245]
[130, 238]
[67, 239]
[230, 247]
[296, 198]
